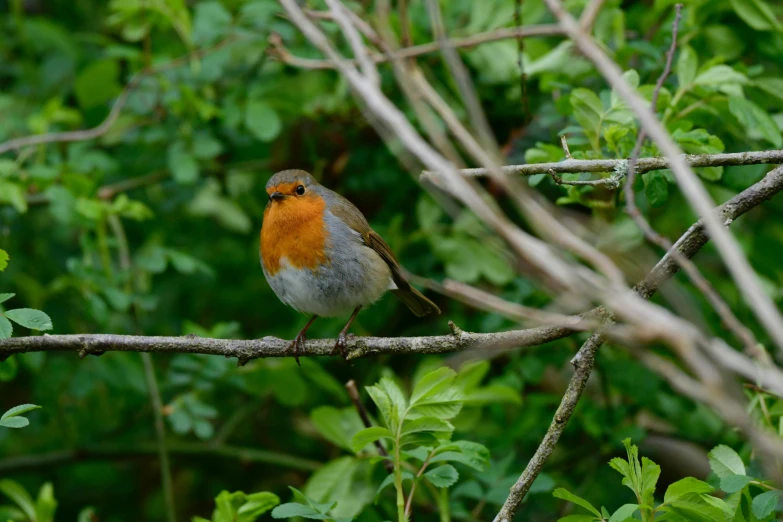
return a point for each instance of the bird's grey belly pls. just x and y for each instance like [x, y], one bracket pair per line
[355, 276]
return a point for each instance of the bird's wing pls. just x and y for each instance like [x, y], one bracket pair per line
[352, 216]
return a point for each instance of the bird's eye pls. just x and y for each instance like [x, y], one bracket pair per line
[300, 190]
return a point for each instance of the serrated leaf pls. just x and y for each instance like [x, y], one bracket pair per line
[432, 383]
[29, 318]
[684, 487]
[428, 424]
[623, 512]
[442, 476]
[763, 505]
[656, 188]
[734, 483]
[724, 462]
[720, 75]
[444, 405]
[383, 402]
[465, 452]
[398, 403]
[389, 480]
[256, 504]
[368, 436]
[18, 410]
[579, 501]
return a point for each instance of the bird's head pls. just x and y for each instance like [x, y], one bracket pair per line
[290, 185]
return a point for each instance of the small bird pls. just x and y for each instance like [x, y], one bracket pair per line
[321, 257]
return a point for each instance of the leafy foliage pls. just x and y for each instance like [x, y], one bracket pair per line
[151, 228]
[688, 498]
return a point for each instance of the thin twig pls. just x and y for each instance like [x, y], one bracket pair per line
[564, 144]
[589, 15]
[160, 435]
[620, 166]
[405, 25]
[116, 110]
[612, 182]
[353, 393]
[279, 51]
[526, 113]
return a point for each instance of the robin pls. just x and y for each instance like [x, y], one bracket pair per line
[321, 257]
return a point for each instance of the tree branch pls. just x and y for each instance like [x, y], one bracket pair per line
[728, 159]
[279, 51]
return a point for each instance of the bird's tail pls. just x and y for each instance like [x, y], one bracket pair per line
[416, 301]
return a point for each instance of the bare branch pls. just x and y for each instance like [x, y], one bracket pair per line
[247, 350]
[280, 52]
[728, 159]
[589, 15]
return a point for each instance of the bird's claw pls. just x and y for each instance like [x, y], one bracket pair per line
[340, 346]
[297, 345]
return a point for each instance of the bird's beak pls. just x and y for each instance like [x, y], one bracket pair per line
[276, 196]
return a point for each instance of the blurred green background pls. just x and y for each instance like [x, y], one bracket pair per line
[152, 229]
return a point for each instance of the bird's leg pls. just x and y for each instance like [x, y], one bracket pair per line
[297, 345]
[339, 346]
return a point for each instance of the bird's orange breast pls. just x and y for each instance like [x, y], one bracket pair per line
[294, 229]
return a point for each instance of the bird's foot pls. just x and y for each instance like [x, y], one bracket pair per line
[341, 345]
[297, 345]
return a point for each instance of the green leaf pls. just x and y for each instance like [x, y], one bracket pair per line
[97, 83]
[465, 452]
[687, 65]
[724, 462]
[29, 318]
[432, 383]
[588, 109]
[773, 86]
[3, 259]
[18, 410]
[429, 424]
[337, 426]
[579, 501]
[763, 505]
[182, 164]
[45, 504]
[6, 328]
[389, 480]
[656, 188]
[294, 509]
[442, 476]
[398, 403]
[734, 483]
[757, 14]
[623, 512]
[577, 518]
[650, 473]
[328, 477]
[755, 120]
[719, 76]
[262, 120]
[383, 402]
[256, 504]
[15, 422]
[697, 507]
[684, 487]
[369, 435]
[19, 495]
[444, 405]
